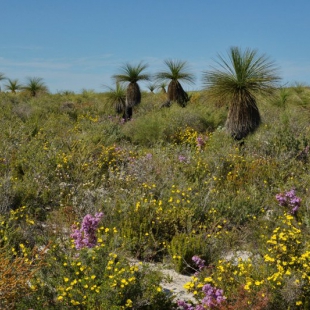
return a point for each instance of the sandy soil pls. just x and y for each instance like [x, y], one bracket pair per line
[174, 284]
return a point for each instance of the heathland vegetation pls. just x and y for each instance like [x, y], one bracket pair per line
[212, 183]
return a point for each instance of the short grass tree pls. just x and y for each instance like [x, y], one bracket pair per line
[132, 74]
[176, 71]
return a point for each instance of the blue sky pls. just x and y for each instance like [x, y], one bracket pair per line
[79, 44]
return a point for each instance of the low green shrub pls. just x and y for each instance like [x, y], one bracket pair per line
[184, 246]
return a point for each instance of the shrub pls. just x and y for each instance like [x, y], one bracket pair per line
[94, 276]
[184, 247]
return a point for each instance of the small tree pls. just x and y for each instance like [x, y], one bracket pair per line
[176, 71]
[13, 86]
[238, 81]
[152, 87]
[162, 87]
[132, 74]
[117, 97]
[34, 86]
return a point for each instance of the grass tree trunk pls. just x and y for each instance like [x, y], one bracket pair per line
[133, 98]
[243, 117]
[177, 93]
[127, 113]
[133, 95]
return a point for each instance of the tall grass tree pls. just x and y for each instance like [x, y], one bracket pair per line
[237, 81]
[13, 86]
[34, 86]
[176, 71]
[132, 74]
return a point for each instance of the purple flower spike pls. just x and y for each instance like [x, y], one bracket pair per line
[182, 159]
[213, 298]
[200, 142]
[200, 263]
[86, 235]
[289, 200]
[184, 305]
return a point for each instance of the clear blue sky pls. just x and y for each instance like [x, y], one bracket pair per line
[79, 44]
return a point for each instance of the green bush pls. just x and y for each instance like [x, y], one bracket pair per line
[184, 246]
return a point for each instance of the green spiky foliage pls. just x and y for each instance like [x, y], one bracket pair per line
[34, 86]
[13, 86]
[132, 74]
[117, 97]
[176, 71]
[152, 87]
[237, 81]
[162, 87]
[2, 77]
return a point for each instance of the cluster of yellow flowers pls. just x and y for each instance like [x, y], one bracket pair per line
[14, 217]
[20, 213]
[110, 156]
[289, 256]
[120, 275]
[88, 116]
[186, 135]
[287, 261]
[63, 161]
[81, 282]
[191, 137]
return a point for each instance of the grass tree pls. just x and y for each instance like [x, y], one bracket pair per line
[132, 75]
[152, 86]
[2, 77]
[238, 80]
[117, 97]
[13, 86]
[34, 86]
[176, 71]
[162, 86]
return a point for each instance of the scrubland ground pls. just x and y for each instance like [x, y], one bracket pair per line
[84, 193]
